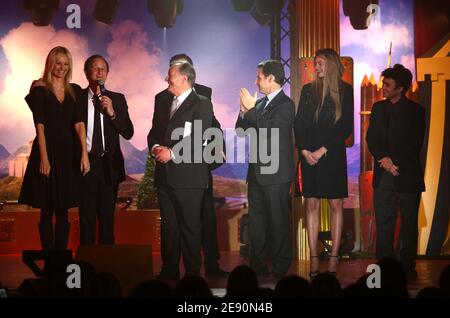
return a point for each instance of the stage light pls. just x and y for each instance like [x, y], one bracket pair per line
[105, 10]
[260, 10]
[41, 10]
[263, 18]
[242, 5]
[165, 11]
[264, 6]
[360, 12]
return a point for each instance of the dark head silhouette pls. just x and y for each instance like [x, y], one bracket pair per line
[242, 282]
[152, 289]
[293, 287]
[192, 286]
[326, 285]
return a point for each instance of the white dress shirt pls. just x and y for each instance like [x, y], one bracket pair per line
[272, 96]
[90, 122]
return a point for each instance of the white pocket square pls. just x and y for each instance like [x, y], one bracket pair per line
[187, 129]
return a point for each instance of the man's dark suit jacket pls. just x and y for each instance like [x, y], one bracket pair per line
[200, 90]
[399, 137]
[180, 175]
[279, 113]
[121, 125]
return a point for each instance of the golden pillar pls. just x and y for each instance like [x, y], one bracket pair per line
[437, 67]
[315, 25]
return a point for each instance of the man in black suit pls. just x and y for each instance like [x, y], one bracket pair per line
[395, 136]
[181, 180]
[271, 118]
[209, 225]
[106, 118]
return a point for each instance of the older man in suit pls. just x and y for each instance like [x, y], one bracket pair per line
[210, 244]
[272, 119]
[181, 183]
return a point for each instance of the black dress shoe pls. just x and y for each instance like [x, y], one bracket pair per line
[167, 276]
[216, 272]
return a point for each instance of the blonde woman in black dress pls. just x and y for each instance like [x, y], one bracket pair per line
[323, 122]
[50, 181]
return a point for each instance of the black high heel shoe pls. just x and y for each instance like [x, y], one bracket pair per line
[337, 262]
[316, 272]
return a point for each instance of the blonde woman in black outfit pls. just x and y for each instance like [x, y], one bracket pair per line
[323, 122]
[51, 180]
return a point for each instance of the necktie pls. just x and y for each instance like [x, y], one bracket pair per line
[97, 140]
[262, 104]
[174, 107]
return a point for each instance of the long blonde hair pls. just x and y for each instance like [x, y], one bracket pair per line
[330, 84]
[50, 64]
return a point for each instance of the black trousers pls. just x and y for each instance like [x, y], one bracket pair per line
[180, 228]
[97, 199]
[269, 227]
[209, 230]
[54, 238]
[387, 201]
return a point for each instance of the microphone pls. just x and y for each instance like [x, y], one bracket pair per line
[101, 84]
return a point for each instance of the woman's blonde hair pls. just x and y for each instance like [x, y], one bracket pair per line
[50, 64]
[330, 84]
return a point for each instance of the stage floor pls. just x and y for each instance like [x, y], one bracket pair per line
[13, 271]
